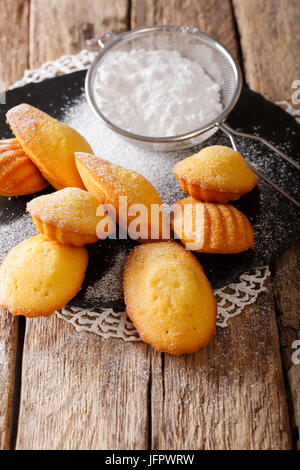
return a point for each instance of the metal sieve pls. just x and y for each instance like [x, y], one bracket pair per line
[217, 62]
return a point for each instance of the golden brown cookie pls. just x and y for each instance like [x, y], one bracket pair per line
[216, 173]
[169, 298]
[137, 205]
[211, 227]
[70, 217]
[18, 175]
[39, 276]
[49, 143]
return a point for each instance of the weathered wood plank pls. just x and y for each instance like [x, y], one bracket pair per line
[211, 16]
[79, 391]
[286, 288]
[59, 27]
[8, 351]
[14, 26]
[270, 40]
[227, 396]
[272, 72]
[294, 383]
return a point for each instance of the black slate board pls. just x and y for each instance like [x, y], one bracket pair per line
[275, 219]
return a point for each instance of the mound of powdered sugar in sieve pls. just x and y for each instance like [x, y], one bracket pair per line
[155, 93]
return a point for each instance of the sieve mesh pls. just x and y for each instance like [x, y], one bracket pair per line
[191, 43]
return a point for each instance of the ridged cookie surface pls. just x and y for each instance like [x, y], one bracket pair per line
[18, 175]
[212, 227]
[39, 276]
[169, 298]
[216, 173]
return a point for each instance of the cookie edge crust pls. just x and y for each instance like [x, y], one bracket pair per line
[63, 235]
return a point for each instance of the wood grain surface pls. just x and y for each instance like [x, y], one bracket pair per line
[59, 27]
[82, 392]
[270, 40]
[287, 294]
[201, 14]
[14, 50]
[14, 58]
[8, 353]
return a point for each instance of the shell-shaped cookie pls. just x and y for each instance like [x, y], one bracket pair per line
[39, 276]
[216, 173]
[72, 216]
[211, 227]
[18, 175]
[169, 298]
[49, 143]
[133, 198]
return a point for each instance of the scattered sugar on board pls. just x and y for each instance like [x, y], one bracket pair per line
[111, 284]
[8, 232]
[156, 93]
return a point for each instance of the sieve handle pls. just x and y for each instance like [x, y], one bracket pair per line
[101, 40]
[232, 132]
[261, 140]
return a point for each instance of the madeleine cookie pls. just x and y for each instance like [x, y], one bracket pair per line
[50, 144]
[137, 206]
[169, 298]
[39, 276]
[70, 217]
[211, 228]
[216, 173]
[18, 175]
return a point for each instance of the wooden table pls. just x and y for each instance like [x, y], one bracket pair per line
[60, 389]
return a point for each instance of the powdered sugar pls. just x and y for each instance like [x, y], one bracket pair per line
[111, 284]
[155, 93]
[22, 227]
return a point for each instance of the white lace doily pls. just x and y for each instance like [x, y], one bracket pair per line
[105, 322]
